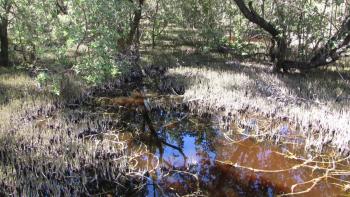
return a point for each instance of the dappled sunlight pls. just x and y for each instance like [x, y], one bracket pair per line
[175, 98]
[312, 106]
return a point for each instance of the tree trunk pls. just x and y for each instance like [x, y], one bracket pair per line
[61, 7]
[4, 53]
[330, 52]
[154, 27]
[135, 24]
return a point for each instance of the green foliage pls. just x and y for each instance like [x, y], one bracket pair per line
[89, 35]
[34, 27]
[238, 46]
[48, 82]
[42, 78]
[97, 68]
[55, 87]
[97, 26]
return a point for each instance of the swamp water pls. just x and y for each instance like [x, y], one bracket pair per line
[212, 164]
[175, 153]
[194, 156]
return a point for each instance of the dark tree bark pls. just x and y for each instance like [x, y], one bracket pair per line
[135, 24]
[4, 53]
[277, 52]
[330, 52]
[61, 7]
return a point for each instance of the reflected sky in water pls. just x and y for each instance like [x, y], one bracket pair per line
[206, 149]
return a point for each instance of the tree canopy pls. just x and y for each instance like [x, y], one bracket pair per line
[300, 34]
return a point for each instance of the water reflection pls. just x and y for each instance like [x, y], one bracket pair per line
[206, 163]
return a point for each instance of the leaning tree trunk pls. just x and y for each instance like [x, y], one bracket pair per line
[4, 53]
[330, 52]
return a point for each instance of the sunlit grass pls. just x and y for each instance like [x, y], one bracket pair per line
[19, 93]
[314, 103]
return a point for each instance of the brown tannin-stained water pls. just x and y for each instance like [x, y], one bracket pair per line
[200, 159]
[85, 152]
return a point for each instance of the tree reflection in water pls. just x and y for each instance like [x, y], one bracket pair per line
[196, 158]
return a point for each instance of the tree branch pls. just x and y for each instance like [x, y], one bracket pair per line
[254, 17]
[330, 52]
